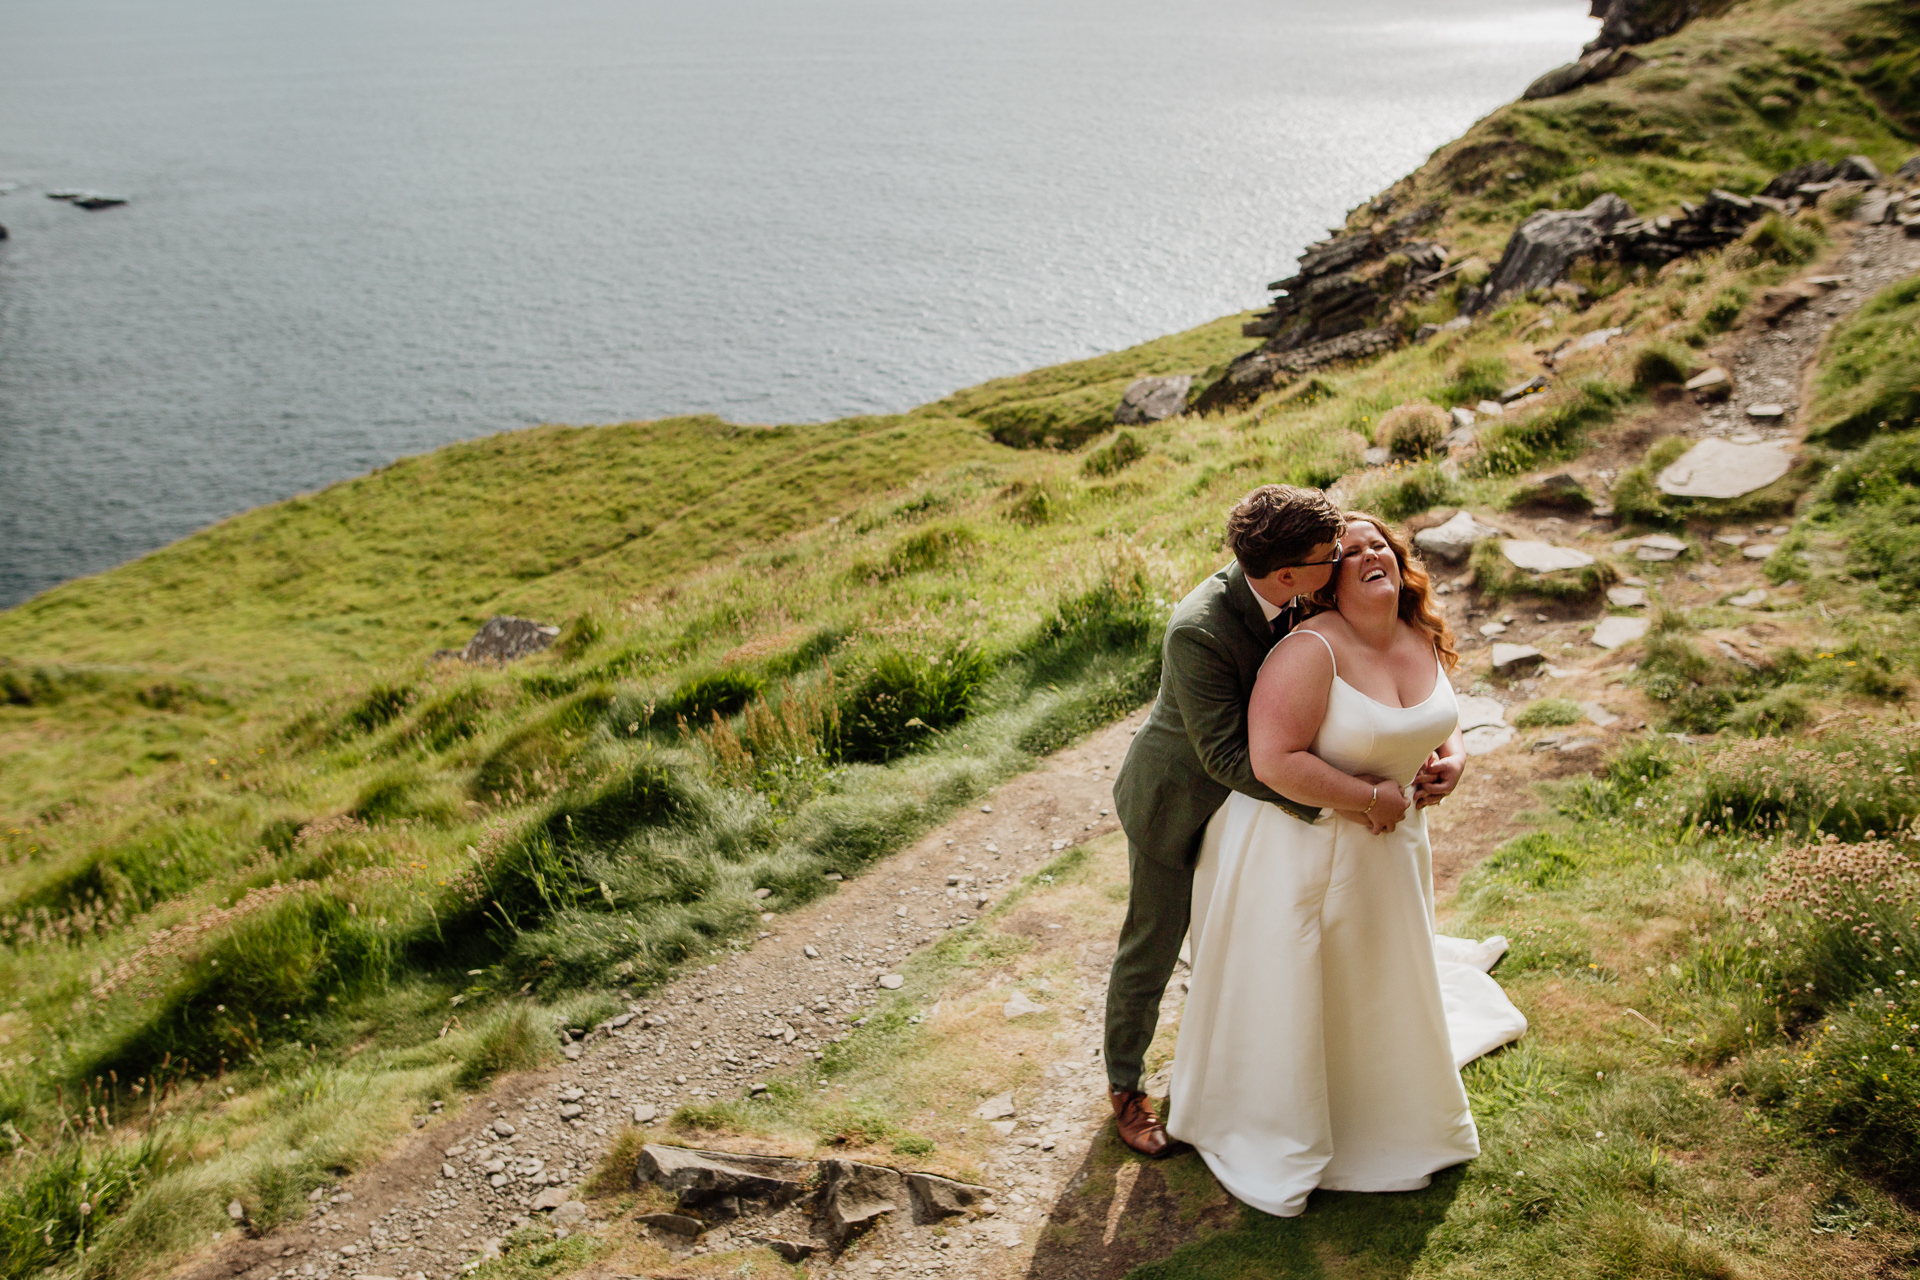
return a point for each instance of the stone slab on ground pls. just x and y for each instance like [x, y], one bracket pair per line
[1507, 656]
[1721, 469]
[1542, 557]
[1456, 539]
[1616, 631]
[1153, 399]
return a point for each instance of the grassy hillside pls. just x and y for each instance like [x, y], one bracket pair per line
[271, 879]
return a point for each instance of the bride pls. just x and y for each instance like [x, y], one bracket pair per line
[1326, 1023]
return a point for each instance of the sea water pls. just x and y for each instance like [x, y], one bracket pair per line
[362, 229]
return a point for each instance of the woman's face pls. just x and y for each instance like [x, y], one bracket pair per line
[1368, 567]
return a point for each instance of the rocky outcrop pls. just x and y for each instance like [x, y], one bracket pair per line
[1262, 369]
[1153, 400]
[502, 638]
[1625, 22]
[1719, 219]
[1601, 64]
[1546, 244]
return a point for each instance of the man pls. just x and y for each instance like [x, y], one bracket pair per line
[1192, 752]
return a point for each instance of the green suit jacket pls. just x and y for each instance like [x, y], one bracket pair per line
[1192, 751]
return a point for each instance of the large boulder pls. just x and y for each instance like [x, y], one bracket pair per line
[853, 1195]
[699, 1178]
[1153, 400]
[502, 639]
[1601, 64]
[1546, 244]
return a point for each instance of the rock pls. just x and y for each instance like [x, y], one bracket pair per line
[1555, 493]
[549, 1200]
[236, 1211]
[1477, 713]
[1588, 341]
[1263, 368]
[448, 1171]
[1764, 411]
[570, 1214]
[1910, 171]
[1857, 169]
[573, 1094]
[1875, 207]
[502, 639]
[936, 1198]
[569, 1110]
[1542, 557]
[1420, 335]
[1749, 600]
[852, 1195]
[810, 952]
[1627, 597]
[1659, 547]
[1019, 1006]
[1510, 656]
[677, 1223]
[998, 1107]
[1721, 469]
[1002, 1127]
[1463, 417]
[1492, 629]
[1758, 550]
[1600, 64]
[1492, 408]
[701, 1177]
[1377, 456]
[1598, 714]
[1487, 738]
[1153, 400]
[502, 1128]
[892, 981]
[1625, 22]
[571, 1052]
[1710, 384]
[1526, 403]
[1616, 631]
[791, 1250]
[1520, 390]
[1546, 244]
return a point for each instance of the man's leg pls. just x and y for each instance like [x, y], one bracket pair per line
[1158, 903]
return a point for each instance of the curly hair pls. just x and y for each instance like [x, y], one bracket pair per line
[1416, 609]
[1277, 525]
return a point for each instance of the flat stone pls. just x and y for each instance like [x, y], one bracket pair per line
[1514, 655]
[1616, 631]
[1019, 1006]
[1627, 597]
[1487, 738]
[571, 1214]
[1722, 469]
[1492, 629]
[1750, 600]
[892, 981]
[569, 1110]
[1766, 411]
[1490, 408]
[1588, 341]
[1525, 403]
[1731, 539]
[1599, 714]
[1477, 713]
[1542, 557]
[701, 1177]
[935, 1198]
[550, 1199]
[1710, 384]
[1464, 417]
[998, 1107]
[1002, 1127]
[791, 1250]
[1455, 539]
[1659, 547]
[571, 1052]
[1153, 399]
[1758, 550]
[1378, 456]
[853, 1194]
[503, 638]
[502, 1128]
[677, 1223]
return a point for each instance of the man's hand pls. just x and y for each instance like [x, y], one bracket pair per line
[1437, 779]
[1389, 806]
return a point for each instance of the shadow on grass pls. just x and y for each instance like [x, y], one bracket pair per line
[1124, 1217]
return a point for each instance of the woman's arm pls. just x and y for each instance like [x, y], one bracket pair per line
[1289, 702]
[1442, 772]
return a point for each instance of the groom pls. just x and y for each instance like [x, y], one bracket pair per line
[1192, 752]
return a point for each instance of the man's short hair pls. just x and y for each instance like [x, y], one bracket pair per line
[1278, 525]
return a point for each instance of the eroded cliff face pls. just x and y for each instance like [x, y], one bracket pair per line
[1625, 22]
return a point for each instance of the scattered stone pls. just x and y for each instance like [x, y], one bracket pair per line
[1491, 629]
[1542, 557]
[936, 1198]
[1599, 714]
[236, 1211]
[448, 1171]
[1487, 738]
[1616, 631]
[853, 1195]
[1455, 539]
[1377, 456]
[1627, 597]
[1520, 390]
[1749, 600]
[790, 1250]
[1153, 400]
[1477, 713]
[1463, 417]
[570, 1214]
[569, 1110]
[1766, 411]
[892, 981]
[677, 1223]
[1018, 1006]
[1659, 547]
[1731, 539]
[571, 1052]
[699, 1178]
[549, 1200]
[1721, 469]
[810, 951]
[645, 1113]
[1758, 550]
[1711, 383]
[998, 1107]
[1490, 408]
[1719, 219]
[1507, 657]
[502, 639]
[502, 1128]
[1002, 1127]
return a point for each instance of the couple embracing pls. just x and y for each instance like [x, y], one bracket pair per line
[1273, 805]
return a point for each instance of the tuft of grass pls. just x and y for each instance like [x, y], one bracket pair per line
[1498, 579]
[1117, 454]
[1787, 242]
[510, 1041]
[1547, 712]
[1659, 364]
[1399, 492]
[1553, 431]
[1636, 498]
[1869, 381]
[1412, 431]
[904, 699]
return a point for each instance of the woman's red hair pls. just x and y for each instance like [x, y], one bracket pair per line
[1417, 609]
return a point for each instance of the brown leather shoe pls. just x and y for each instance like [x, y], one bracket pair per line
[1139, 1127]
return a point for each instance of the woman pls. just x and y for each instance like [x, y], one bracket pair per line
[1326, 1024]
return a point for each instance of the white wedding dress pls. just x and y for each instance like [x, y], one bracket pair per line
[1326, 1023]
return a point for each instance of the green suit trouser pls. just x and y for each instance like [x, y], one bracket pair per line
[1159, 901]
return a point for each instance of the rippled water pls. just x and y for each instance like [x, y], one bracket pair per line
[366, 228]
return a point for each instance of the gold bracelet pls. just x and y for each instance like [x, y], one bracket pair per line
[1371, 801]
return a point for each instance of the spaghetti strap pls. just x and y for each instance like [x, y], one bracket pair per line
[1322, 639]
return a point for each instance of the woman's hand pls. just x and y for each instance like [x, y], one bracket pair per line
[1441, 774]
[1389, 806]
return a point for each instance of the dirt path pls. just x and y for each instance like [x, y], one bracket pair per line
[1070, 1203]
